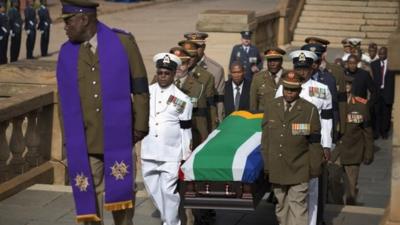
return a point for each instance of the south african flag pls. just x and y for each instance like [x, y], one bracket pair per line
[232, 152]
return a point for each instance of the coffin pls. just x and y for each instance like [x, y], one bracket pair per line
[226, 170]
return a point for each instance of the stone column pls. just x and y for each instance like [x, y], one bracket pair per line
[392, 215]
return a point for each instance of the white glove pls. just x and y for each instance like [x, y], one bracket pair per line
[28, 32]
[31, 23]
[12, 33]
[4, 29]
[46, 24]
[1, 38]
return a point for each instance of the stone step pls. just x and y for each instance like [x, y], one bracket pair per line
[330, 33]
[354, 3]
[337, 3]
[389, 10]
[378, 35]
[380, 16]
[333, 14]
[387, 22]
[335, 21]
[378, 28]
[321, 25]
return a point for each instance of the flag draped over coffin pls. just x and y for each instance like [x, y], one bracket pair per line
[232, 152]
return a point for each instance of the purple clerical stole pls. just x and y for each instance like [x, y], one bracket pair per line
[117, 125]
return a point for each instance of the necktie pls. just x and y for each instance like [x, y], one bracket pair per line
[273, 78]
[89, 50]
[382, 74]
[247, 50]
[237, 98]
[287, 110]
[178, 83]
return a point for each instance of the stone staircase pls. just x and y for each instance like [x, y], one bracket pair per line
[371, 20]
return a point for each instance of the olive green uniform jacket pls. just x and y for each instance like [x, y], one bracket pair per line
[91, 95]
[338, 72]
[292, 154]
[262, 90]
[207, 79]
[195, 90]
[357, 143]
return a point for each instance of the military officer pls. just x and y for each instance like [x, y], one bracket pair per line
[15, 30]
[195, 90]
[44, 27]
[204, 77]
[30, 28]
[213, 67]
[169, 139]
[319, 95]
[248, 55]
[292, 150]
[3, 34]
[356, 146]
[90, 60]
[338, 73]
[265, 83]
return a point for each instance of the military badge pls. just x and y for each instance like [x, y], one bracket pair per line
[355, 117]
[302, 57]
[317, 92]
[300, 129]
[119, 170]
[178, 103]
[82, 182]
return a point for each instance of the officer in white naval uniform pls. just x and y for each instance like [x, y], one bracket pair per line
[318, 94]
[169, 139]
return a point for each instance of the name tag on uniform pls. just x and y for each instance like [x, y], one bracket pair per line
[177, 103]
[253, 60]
[317, 92]
[194, 100]
[300, 129]
[355, 117]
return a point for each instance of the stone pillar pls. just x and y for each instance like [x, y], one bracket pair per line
[223, 28]
[392, 215]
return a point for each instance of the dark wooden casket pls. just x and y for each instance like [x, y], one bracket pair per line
[229, 195]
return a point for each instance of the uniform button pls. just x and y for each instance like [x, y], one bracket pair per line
[94, 82]
[157, 113]
[284, 125]
[93, 68]
[159, 102]
[156, 135]
[97, 110]
[280, 146]
[156, 124]
[95, 95]
[162, 91]
[280, 155]
[281, 135]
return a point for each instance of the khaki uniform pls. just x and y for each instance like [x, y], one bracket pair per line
[90, 92]
[356, 146]
[219, 83]
[263, 89]
[195, 90]
[338, 72]
[293, 155]
[207, 79]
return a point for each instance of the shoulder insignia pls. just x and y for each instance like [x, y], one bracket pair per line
[361, 100]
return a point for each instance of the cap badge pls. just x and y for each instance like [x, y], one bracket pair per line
[166, 59]
[194, 36]
[302, 57]
[313, 49]
[290, 75]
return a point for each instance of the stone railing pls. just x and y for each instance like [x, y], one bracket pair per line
[26, 127]
[30, 137]
[290, 11]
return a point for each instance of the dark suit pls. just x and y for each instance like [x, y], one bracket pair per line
[385, 98]
[44, 27]
[229, 99]
[362, 83]
[3, 38]
[30, 27]
[247, 59]
[16, 28]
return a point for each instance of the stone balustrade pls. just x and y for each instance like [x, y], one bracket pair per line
[26, 128]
